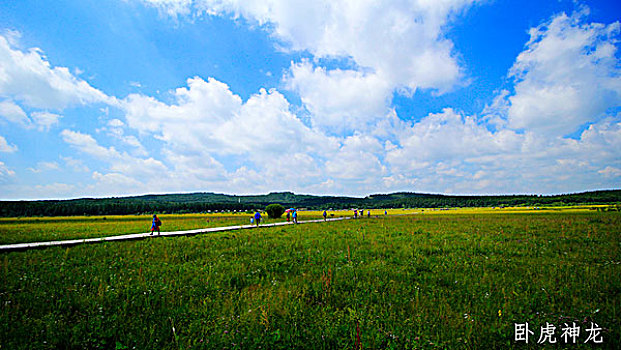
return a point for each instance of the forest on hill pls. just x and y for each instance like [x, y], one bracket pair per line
[209, 202]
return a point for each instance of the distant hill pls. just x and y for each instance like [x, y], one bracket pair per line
[205, 201]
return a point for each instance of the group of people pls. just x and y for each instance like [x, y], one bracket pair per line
[362, 213]
[292, 214]
[256, 219]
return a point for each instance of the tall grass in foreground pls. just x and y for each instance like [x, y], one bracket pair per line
[449, 281]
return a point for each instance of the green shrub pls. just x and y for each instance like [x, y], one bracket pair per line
[274, 211]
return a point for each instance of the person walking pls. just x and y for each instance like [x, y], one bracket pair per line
[257, 218]
[368, 213]
[155, 225]
[288, 215]
[325, 215]
[295, 216]
[355, 213]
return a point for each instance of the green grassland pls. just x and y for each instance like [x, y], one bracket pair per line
[455, 280]
[34, 229]
[22, 230]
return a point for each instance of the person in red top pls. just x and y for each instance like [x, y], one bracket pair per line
[155, 225]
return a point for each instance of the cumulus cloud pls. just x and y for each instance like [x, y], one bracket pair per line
[122, 167]
[45, 120]
[208, 118]
[115, 128]
[264, 144]
[340, 100]
[119, 182]
[401, 39]
[452, 153]
[13, 113]
[28, 78]
[392, 46]
[567, 76]
[357, 160]
[445, 137]
[87, 144]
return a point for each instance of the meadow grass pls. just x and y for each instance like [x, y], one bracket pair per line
[417, 281]
[35, 229]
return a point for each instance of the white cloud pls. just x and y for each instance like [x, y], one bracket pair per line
[195, 169]
[75, 164]
[402, 40]
[87, 144]
[53, 190]
[445, 137]
[198, 107]
[28, 78]
[14, 113]
[611, 172]
[45, 120]
[120, 173]
[171, 8]
[115, 129]
[291, 171]
[5, 147]
[12, 36]
[357, 160]
[145, 169]
[118, 183]
[208, 118]
[391, 46]
[451, 153]
[45, 166]
[568, 75]
[116, 123]
[270, 147]
[6, 174]
[340, 100]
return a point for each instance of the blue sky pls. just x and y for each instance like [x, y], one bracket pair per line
[123, 97]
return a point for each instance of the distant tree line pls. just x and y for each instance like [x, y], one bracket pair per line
[204, 202]
[409, 200]
[107, 207]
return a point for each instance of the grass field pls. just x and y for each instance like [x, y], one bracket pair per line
[456, 280]
[22, 230]
[35, 229]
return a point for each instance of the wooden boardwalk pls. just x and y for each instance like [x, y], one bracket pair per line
[147, 235]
